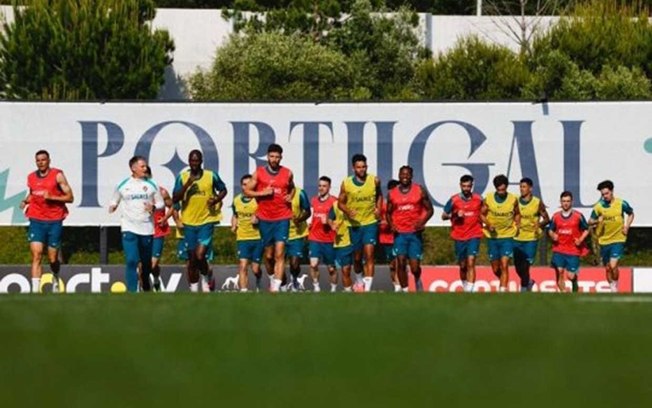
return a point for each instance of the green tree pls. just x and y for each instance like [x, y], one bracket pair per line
[472, 70]
[274, 67]
[83, 49]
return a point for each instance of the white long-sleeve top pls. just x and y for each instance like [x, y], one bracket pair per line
[134, 194]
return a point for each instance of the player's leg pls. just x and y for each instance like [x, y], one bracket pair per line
[415, 254]
[132, 257]
[280, 234]
[493, 249]
[53, 233]
[256, 258]
[369, 240]
[344, 258]
[355, 234]
[36, 235]
[521, 264]
[401, 251]
[314, 253]
[558, 263]
[243, 278]
[294, 250]
[616, 251]
[157, 251]
[506, 253]
[145, 257]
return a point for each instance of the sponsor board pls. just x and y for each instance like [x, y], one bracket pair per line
[561, 146]
[447, 279]
[642, 280]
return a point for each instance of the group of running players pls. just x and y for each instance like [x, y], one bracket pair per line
[271, 224]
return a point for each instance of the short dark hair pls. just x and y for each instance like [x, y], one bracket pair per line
[358, 157]
[500, 179]
[243, 178]
[408, 168]
[326, 179]
[527, 181]
[274, 148]
[466, 178]
[135, 159]
[606, 184]
[566, 194]
[196, 152]
[40, 152]
[392, 184]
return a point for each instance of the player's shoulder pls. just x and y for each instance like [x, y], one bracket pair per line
[123, 183]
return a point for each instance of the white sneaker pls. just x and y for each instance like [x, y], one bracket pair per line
[316, 288]
[55, 285]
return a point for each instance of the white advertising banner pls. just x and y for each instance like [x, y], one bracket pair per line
[561, 146]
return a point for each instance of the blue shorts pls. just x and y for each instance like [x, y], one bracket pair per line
[272, 232]
[251, 250]
[467, 248]
[364, 235]
[157, 247]
[611, 251]
[569, 262]
[387, 252]
[182, 251]
[409, 244]
[294, 247]
[526, 249]
[46, 232]
[199, 235]
[323, 251]
[344, 256]
[500, 247]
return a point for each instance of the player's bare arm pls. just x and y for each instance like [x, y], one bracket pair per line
[379, 198]
[341, 203]
[628, 222]
[67, 196]
[179, 195]
[544, 217]
[425, 201]
[291, 189]
[483, 217]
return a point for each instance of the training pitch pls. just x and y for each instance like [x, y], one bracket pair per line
[307, 350]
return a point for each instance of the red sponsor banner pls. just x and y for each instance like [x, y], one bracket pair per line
[447, 279]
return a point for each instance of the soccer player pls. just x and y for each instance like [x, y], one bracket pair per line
[568, 230]
[408, 211]
[501, 217]
[386, 239]
[272, 186]
[464, 210]
[161, 230]
[140, 197]
[297, 234]
[321, 235]
[245, 225]
[342, 244]
[46, 200]
[612, 227]
[360, 200]
[534, 217]
[200, 192]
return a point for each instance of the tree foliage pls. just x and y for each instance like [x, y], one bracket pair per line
[473, 70]
[83, 49]
[274, 67]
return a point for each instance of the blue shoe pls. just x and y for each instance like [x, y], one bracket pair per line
[419, 285]
[530, 285]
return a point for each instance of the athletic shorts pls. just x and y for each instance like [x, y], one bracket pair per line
[364, 235]
[611, 251]
[562, 261]
[323, 251]
[527, 249]
[387, 252]
[344, 256]
[294, 247]
[46, 232]
[500, 247]
[272, 232]
[409, 244]
[157, 247]
[467, 248]
[199, 235]
[182, 251]
[251, 250]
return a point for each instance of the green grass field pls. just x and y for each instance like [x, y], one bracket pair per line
[535, 350]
